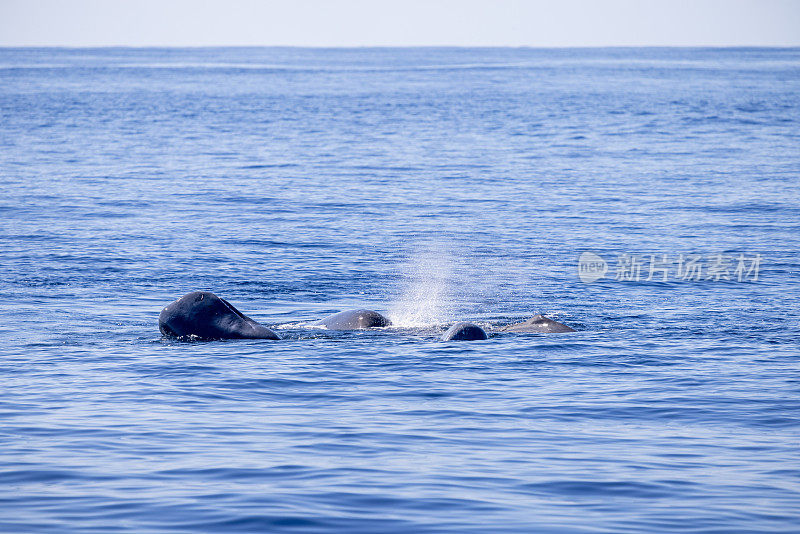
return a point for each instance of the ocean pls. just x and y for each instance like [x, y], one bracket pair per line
[647, 197]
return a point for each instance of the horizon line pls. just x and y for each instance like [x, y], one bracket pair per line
[356, 47]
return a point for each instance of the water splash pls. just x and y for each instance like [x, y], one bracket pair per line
[425, 297]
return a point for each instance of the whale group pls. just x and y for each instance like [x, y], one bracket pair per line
[201, 315]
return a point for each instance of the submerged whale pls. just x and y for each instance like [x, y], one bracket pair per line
[203, 315]
[464, 332]
[537, 323]
[355, 320]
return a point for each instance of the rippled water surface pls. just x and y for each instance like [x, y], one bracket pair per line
[433, 185]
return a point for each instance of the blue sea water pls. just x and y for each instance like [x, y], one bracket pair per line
[433, 185]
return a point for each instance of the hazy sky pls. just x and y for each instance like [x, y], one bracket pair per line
[400, 23]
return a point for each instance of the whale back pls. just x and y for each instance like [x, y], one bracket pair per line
[538, 323]
[464, 332]
[355, 320]
[203, 315]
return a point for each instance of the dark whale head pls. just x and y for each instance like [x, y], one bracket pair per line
[355, 320]
[205, 316]
[464, 332]
[538, 323]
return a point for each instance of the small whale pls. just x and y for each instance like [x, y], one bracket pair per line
[355, 320]
[464, 332]
[205, 316]
[537, 323]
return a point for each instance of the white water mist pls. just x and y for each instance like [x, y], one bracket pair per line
[425, 295]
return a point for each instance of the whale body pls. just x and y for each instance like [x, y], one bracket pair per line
[204, 316]
[355, 320]
[538, 323]
[464, 332]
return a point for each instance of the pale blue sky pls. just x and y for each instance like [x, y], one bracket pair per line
[400, 23]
